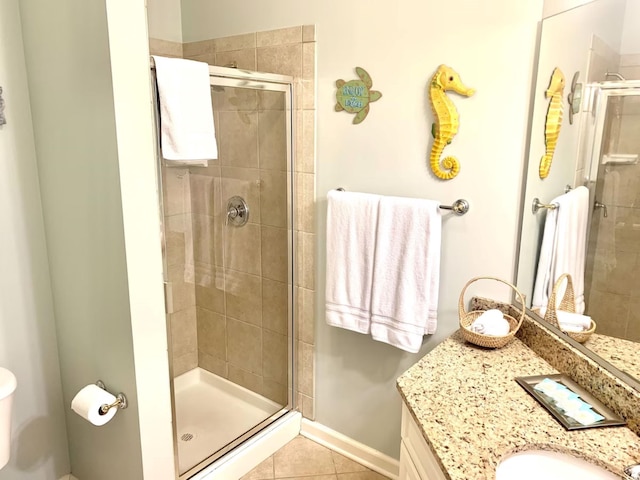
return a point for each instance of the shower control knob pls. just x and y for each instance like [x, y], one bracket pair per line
[237, 212]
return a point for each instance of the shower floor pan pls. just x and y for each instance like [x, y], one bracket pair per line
[212, 412]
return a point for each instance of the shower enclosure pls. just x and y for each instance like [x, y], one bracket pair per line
[613, 272]
[228, 258]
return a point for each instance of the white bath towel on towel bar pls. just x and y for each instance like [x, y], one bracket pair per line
[383, 266]
[351, 233]
[187, 132]
[406, 271]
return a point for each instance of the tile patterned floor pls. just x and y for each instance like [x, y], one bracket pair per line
[303, 459]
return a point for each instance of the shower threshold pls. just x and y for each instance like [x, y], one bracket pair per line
[211, 412]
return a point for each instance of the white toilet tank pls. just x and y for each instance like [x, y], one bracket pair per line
[8, 385]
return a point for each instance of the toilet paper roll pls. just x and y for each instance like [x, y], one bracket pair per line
[88, 401]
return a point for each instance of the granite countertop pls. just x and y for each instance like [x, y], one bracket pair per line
[472, 413]
[623, 354]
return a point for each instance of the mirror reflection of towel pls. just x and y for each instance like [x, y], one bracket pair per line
[563, 248]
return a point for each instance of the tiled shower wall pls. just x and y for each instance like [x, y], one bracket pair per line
[239, 333]
[614, 297]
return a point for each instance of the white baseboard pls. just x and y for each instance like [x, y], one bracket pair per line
[356, 451]
[255, 450]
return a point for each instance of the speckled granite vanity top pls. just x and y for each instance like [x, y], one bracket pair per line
[472, 412]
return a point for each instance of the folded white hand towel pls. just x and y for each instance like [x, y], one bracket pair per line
[351, 234]
[406, 271]
[491, 322]
[573, 322]
[186, 115]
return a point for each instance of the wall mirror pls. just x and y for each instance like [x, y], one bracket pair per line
[598, 43]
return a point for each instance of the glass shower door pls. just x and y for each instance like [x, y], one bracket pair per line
[612, 286]
[229, 263]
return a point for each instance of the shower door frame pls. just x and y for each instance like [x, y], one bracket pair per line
[238, 78]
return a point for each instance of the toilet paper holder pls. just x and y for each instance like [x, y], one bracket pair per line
[120, 402]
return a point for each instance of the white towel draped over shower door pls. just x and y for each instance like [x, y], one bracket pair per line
[563, 248]
[406, 272]
[187, 131]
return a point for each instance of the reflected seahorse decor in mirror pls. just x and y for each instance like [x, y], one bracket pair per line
[446, 119]
[553, 121]
[355, 96]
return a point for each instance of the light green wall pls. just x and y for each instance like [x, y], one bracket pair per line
[27, 330]
[67, 56]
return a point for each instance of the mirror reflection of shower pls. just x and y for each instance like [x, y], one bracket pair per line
[612, 276]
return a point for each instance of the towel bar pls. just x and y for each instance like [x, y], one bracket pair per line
[459, 207]
[537, 205]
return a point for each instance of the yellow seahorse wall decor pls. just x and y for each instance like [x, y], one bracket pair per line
[446, 119]
[554, 120]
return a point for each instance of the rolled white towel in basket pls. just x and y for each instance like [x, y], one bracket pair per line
[573, 322]
[491, 322]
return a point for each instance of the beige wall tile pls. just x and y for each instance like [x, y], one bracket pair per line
[612, 312]
[178, 239]
[306, 406]
[309, 33]
[232, 99]
[213, 364]
[235, 42]
[183, 294]
[176, 191]
[274, 391]
[275, 354]
[305, 197]
[307, 156]
[306, 315]
[208, 58]
[245, 183]
[211, 296]
[308, 61]
[244, 297]
[282, 36]
[306, 260]
[272, 140]
[238, 145]
[244, 346]
[308, 100]
[269, 100]
[633, 321]
[242, 248]
[165, 48]
[212, 332]
[184, 363]
[306, 366]
[245, 379]
[273, 198]
[184, 336]
[244, 59]
[274, 253]
[203, 47]
[275, 306]
[284, 59]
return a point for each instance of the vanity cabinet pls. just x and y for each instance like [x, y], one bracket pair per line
[417, 462]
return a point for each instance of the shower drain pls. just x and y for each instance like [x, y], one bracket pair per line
[186, 437]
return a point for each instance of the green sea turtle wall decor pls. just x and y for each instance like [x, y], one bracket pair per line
[355, 96]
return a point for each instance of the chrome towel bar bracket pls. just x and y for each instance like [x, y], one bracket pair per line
[537, 205]
[459, 207]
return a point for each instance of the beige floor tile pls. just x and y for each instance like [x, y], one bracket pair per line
[263, 471]
[368, 475]
[346, 465]
[302, 457]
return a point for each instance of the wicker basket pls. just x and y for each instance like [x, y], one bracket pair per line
[467, 318]
[567, 304]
